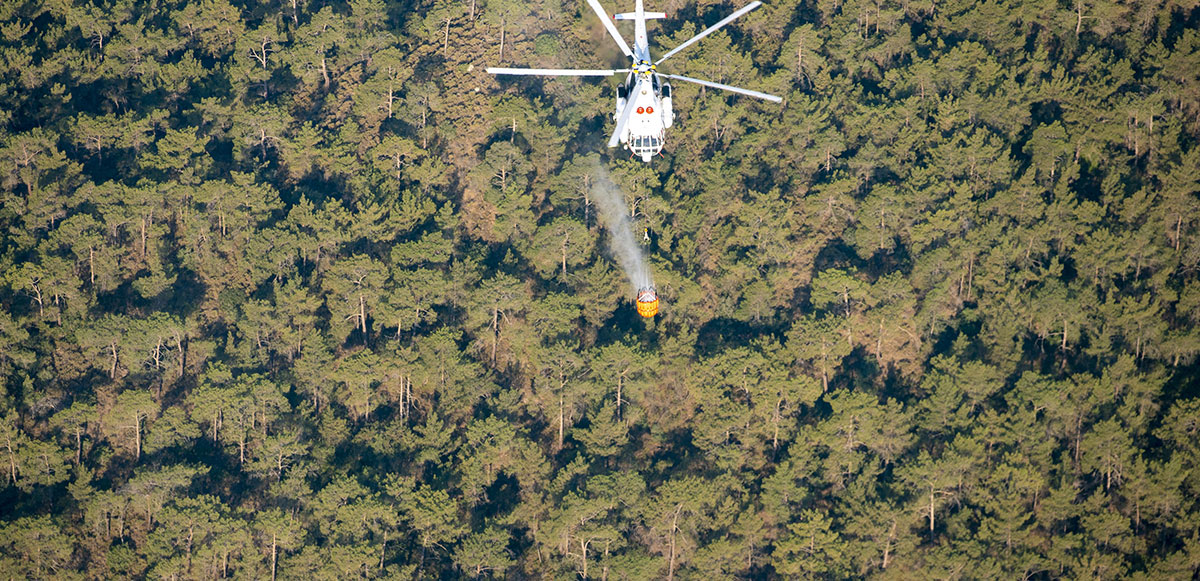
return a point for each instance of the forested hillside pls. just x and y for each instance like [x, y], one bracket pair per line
[296, 290]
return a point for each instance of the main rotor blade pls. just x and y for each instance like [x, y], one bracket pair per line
[766, 96]
[710, 30]
[612, 28]
[557, 72]
[616, 136]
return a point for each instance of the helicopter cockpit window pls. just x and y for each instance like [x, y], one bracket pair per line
[646, 143]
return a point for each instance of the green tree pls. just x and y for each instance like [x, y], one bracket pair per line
[559, 386]
[37, 548]
[677, 515]
[818, 345]
[432, 513]
[125, 424]
[172, 428]
[274, 531]
[811, 549]
[38, 180]
[412, 298]
[484, 553]
[353, 288]
[502, 179]
[30, 462]
[380, 95]
[254, 53]
[315, 44]
[493, 308]
[493, 446]
[75, 421]
[561, 243]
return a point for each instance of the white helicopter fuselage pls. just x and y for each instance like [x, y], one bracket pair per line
[644, 91]
[650, 117]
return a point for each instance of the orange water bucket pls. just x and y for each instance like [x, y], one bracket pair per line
[647, 302]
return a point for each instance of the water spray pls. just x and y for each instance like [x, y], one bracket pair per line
[623, 244]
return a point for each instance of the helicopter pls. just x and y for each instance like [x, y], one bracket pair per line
[644, 110]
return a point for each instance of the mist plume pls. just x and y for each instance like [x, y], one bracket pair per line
[621, 241]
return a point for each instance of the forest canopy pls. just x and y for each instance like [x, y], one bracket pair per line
[295, 289]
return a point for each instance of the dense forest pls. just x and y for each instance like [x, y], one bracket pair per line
[296, 290]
